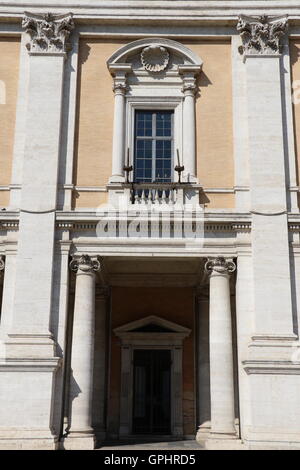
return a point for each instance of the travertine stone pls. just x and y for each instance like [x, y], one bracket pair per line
[30, 346]
[261, 35]
[220, 344]
[48, 33]
[81, 434]
[268, 193]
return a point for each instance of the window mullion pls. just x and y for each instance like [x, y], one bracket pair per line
[153, 146]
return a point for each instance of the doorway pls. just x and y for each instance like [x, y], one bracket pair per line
[151, 391]
[151, 377]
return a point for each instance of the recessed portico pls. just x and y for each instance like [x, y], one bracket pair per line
[150, 306]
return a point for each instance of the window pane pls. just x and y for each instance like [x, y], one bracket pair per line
[163, 123]
[153, 155]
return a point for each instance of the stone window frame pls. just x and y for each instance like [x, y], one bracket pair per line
[154, 104]
[176, 90]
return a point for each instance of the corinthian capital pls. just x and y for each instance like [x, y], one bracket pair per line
[48, 33]
[84, 264]
[261, 35]
[219, 265]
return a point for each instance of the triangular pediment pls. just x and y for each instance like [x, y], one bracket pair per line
[152, 324]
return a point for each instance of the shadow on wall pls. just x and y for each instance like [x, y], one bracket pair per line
[75, 390]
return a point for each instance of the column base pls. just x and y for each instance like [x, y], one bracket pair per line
[117, 179]
[78, 441]
[16, 439]
[219, 441]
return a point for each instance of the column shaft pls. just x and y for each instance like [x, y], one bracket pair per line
[119, 136]
[189, 135]
[221, 354]
[100, 385]
[82, 357]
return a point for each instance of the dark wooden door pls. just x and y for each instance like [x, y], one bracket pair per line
[151, 391]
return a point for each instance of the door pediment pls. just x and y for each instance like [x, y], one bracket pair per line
[146, 327]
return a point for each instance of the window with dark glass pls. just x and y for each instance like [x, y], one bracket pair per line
[153, 146]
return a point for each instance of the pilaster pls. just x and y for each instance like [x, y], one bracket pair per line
[30, 350]
[47, 46]
[271, 374]
[262, 54]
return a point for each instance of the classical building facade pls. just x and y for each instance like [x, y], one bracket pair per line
[149, 224]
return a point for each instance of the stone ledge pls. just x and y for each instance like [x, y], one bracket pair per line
[224, 444]
[271, 367]
[30, 364]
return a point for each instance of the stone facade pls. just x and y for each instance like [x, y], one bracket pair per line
[95, 267]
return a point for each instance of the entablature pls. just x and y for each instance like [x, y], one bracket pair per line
[198, 11]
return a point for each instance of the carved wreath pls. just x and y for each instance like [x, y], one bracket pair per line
[155, 58]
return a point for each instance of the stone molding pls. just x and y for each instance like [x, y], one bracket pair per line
[271, 367]
[222, 11]
[84, 265]
[119, 73]
[219, 265]
[262, 35]
[31, 364]
[48, 33]
[208, 226]
[132, 340]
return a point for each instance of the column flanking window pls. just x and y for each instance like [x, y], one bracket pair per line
[153, 146]
[155, 86]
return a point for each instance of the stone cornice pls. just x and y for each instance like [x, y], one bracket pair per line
[271, 367]
[204, 11]
[209, 227]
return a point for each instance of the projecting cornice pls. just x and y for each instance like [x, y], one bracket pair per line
[129, 11]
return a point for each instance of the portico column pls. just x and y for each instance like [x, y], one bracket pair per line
[118, 153]
[100, 373]
[220, 345]
[81, 435]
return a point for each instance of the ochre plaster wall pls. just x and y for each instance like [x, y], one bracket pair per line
[295, 66]
[177, 305]
[95, 120]
[9, 77]
[215, 165]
